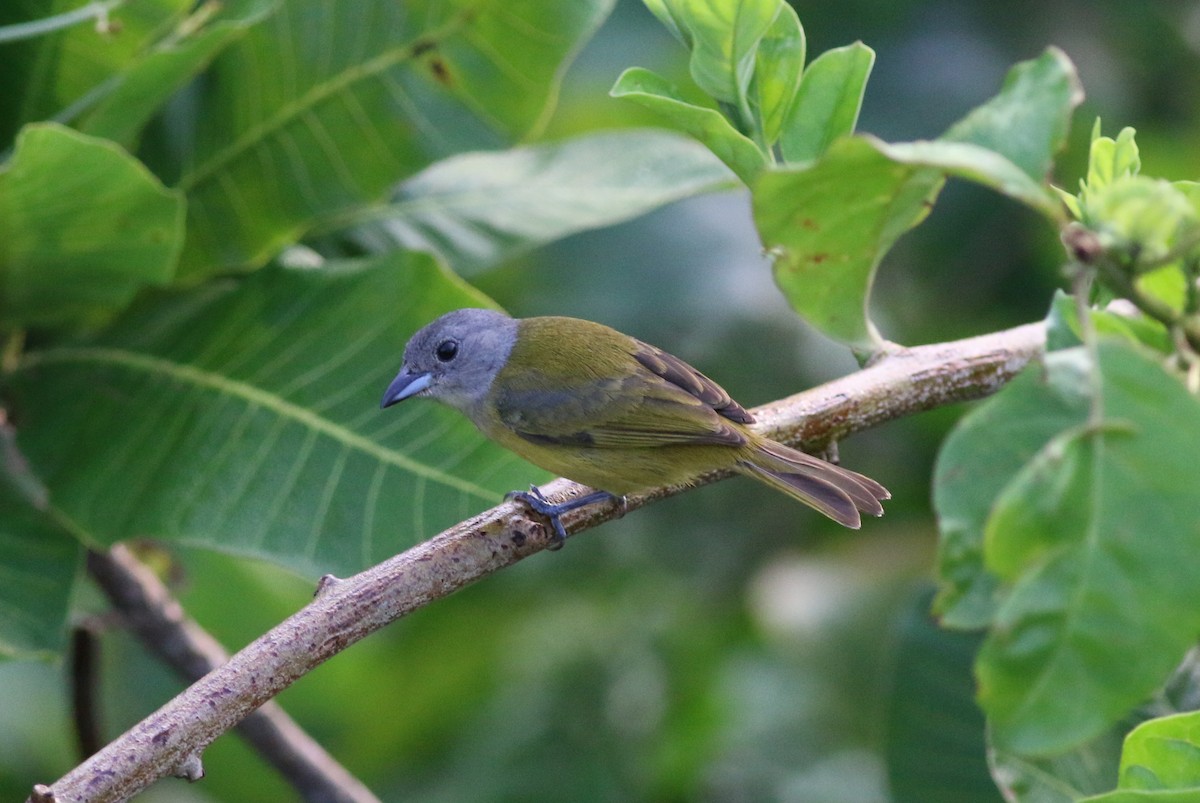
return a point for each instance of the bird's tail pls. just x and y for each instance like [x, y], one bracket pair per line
[835, 491]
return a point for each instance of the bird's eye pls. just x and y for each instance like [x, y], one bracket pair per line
[447, 350]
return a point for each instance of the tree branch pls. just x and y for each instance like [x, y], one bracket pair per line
[170, 740]
[157, 618]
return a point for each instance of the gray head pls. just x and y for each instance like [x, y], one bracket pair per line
[455, 358]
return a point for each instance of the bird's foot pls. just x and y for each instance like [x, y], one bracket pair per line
[535, 501]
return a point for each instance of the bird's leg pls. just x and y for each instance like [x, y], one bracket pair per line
[535, 501]
[830, 453]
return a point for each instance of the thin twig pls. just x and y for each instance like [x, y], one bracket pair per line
[170, 740]
[157, 618]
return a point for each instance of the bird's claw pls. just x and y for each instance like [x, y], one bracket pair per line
[536, 501]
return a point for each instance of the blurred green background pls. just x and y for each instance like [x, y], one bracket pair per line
[727, 644]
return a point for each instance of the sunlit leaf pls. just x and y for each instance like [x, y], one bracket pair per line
[478, 209]
[1163, 754]
[709, 126]
[982, 166]
[723, 37]
[779, 63]
[1063, 330]
[827, 105]
[1027, 122]
[1111, 159]
[829, 223]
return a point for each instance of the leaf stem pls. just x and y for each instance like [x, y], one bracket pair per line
[98, 10]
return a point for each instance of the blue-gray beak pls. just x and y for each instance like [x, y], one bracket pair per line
[405, 384]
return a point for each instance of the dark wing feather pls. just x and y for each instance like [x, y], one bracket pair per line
[684, 376]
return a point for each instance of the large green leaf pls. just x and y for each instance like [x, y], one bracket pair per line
[479, 208]
[1027, 122]
[1099, 537]
[55, 72]
[980, 458]
[828, 224]
[83, 226]
[138, 90]
[322, 107]
[39, 563]
[244, 416]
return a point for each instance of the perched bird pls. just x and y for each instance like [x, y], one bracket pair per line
[607, 410]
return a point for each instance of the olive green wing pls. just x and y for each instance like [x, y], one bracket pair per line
[620, 393]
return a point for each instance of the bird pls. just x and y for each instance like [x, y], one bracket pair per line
[607, 410]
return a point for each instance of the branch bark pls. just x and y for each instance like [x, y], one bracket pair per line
[159, 621]
[170, 741]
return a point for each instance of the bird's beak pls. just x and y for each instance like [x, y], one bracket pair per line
[406, 384]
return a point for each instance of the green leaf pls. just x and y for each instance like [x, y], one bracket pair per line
[1143, 218]
[1063, 778]
[981, 166]
[321, 109]
[139, 90]
[1163, 753]
[829, 223]
[827, 105]
[83, 226]
[478, 209]
[64, 69]
[1156, 796]
[932, 712]
[1111, 159]
[1098, 536]
[39, 563]
[707, 125]
[723, 36]
[244, 416]
[1027, 122]
[980, 458]
[1063, 330]
[665, 11]
[779, 63]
